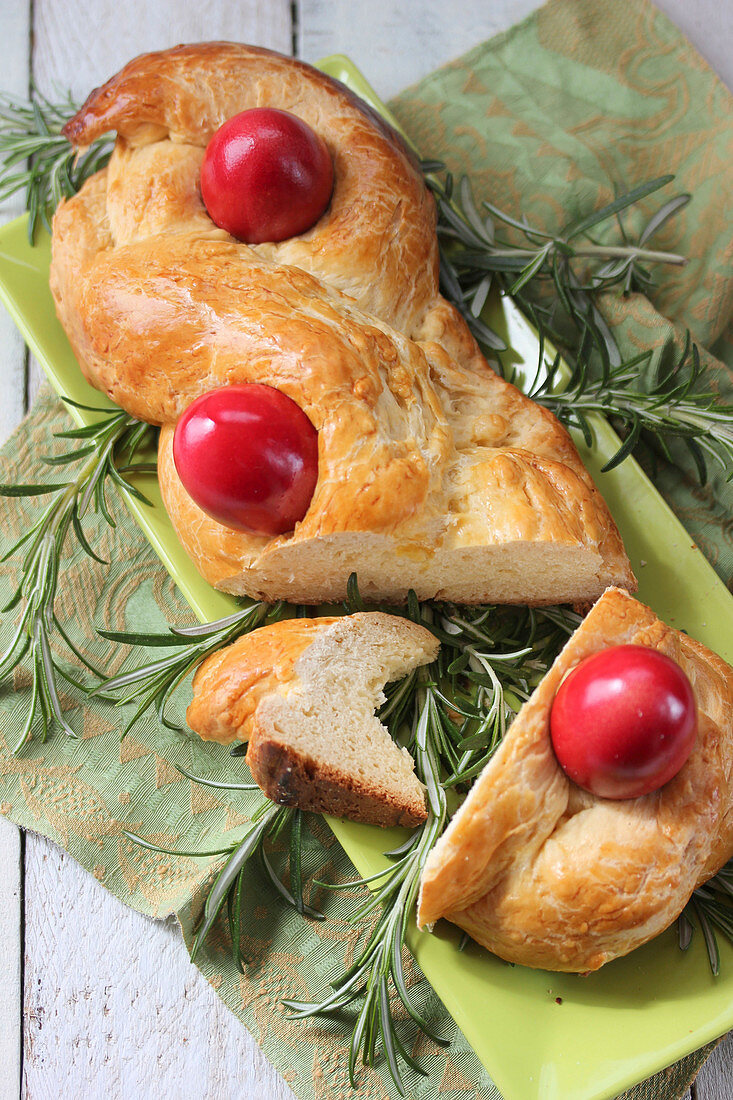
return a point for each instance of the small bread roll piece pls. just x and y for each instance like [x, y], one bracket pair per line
[303, 692]
[548, 875]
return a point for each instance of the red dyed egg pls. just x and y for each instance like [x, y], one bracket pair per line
[248, 455]
[266, 176]
[624, 722]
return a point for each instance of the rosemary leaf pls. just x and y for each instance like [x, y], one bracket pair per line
[222, 785]
[582, 226]
[672, 407]
[38, 160]
[108, 442]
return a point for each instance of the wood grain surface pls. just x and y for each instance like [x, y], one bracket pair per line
[95, 999]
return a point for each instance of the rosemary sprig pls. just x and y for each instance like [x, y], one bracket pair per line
[676, 404]
[38, 160]
[268, 822]
[490, 661]
[456, 711]
[710, 907]
[473, 256]
[153, 683]
[672, 407]
[378, 968]
[106, 452]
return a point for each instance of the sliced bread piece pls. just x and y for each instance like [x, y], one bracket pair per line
[304, 693]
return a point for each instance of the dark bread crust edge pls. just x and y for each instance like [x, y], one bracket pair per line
[289, 778]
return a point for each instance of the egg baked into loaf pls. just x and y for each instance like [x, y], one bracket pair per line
[549, 875]
[433, 473]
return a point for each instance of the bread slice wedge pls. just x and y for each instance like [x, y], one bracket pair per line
[303, 692]
[545, 874]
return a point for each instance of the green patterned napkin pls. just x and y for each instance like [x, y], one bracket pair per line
[557, 111]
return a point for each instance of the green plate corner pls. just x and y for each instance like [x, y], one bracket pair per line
[541, 1036]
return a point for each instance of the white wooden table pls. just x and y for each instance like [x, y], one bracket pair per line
[96, 1000]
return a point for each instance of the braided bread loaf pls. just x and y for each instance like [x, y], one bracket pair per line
[546, 874]
[433, 473]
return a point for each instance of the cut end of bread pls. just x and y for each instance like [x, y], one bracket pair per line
[518, 572]
[291, 777]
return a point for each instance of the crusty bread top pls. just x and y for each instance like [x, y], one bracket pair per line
[304, 692]
[421, 444]
[376, 241]
[548, 875]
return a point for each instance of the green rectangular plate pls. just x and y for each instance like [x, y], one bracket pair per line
[637, 1014]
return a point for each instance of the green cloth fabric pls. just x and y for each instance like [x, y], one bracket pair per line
[578, 98]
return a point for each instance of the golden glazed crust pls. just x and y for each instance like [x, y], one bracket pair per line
[229, 685]
[547, 875]
[434, 474]
[303, 693]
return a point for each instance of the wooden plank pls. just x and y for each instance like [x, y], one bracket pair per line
[709, 26]
[113, 1007]
[11, 915]
[396, 44]
[79, 45]
[715, 1080]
